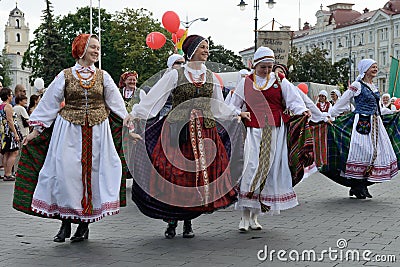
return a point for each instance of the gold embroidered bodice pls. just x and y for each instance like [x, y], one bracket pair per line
[81, 102]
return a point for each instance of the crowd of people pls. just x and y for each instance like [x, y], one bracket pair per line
[14, 126]
[189, 149]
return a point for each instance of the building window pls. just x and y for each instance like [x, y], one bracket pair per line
[396, 30]
[371, 37]
[18, 38]
[17, 23]
[383, 58]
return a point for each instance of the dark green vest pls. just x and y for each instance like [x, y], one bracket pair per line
[199, 96]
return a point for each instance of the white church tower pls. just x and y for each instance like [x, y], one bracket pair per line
[16, 43]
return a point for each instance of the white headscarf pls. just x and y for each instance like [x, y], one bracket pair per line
[172, 58]
[263, 54]
[323, 92]
[363, 66]
[337, 92]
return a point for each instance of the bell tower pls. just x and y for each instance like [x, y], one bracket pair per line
[16, 33]
[16, 43]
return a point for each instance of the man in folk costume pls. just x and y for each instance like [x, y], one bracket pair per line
[80, 178]
[190, 172]
[266, 183]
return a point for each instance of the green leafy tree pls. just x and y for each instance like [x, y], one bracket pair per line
[314, 66]
[45, 52]
[129, 40]
[227, 58]
[5, 71]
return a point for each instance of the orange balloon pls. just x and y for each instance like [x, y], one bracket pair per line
[171, 21]
[397, 103]
[303, 87]
[180, 33]
[155, 40]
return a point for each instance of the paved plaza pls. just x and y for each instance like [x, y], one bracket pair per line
[327, 222]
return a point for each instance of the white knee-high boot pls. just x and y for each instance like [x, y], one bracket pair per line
[254, 225]
[245, 220]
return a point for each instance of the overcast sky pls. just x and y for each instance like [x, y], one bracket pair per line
[227, 24]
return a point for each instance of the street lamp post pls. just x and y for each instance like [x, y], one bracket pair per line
[187, 23]
[243, 5]
[349, 42]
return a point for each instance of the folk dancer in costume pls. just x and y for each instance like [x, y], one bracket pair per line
[370, 157]
[386, 102]
[190, 175]
[81, 174]
[128, 89]
[266, 183]
[323, 103]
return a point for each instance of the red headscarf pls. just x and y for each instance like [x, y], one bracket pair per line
[125, 76]
[80, 45]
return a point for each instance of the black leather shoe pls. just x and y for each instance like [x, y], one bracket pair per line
[170, 232]
[82, 232]
[187, 230]
[366, 192]
[357, 192]
[64, 232]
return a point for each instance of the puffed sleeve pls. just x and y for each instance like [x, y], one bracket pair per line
[219, 109]
[151, 104]
[237, 99]
[343, 103]
[49, 105]
[293, 100]
[112, 97]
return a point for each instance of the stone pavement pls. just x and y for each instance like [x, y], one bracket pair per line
[325, 215]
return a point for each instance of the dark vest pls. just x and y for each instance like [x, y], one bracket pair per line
[186, 91]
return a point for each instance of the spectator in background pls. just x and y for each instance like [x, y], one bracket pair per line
[385, 102]
[10, 134]
[33, 102]
[18, 91]
[22, 119]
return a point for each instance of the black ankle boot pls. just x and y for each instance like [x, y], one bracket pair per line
[64, 232]
[82, 232]
[187, 229]
[366, 192]
[170, 232]
[358, 192]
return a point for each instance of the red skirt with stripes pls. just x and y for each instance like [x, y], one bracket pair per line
[193, 175]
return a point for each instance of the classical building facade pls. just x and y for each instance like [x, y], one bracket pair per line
[347, 33]
[16, 43]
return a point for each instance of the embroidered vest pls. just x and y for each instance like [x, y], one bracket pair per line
[366, 101]
[81, 102]
[264, 104]
[185, 91]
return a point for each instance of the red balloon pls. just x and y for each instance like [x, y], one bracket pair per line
[180, 33]
[155, 40]
[174, 38]
[397, 103]
[303, 87]
[171, 21]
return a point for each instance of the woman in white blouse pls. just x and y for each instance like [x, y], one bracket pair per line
[81, 175]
